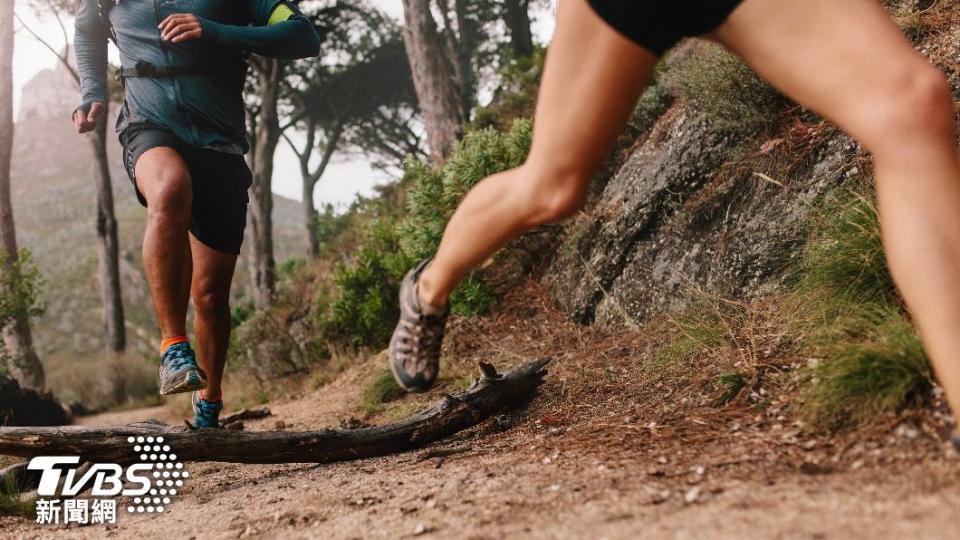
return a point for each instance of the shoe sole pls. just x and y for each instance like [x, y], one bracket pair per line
[396, 377]
[192, 380]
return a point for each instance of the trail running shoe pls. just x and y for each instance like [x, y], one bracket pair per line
[179, 371]
[414, 352]
[206, 414]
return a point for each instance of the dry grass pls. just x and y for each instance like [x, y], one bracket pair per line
[123, 381]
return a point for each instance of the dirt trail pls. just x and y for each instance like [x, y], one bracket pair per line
[516, 484]
[590, 458]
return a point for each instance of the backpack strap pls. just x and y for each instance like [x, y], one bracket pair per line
[103, 9]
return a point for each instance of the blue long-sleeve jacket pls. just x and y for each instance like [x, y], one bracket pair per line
[205, 111]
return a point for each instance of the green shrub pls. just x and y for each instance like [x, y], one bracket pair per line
[19, 293]
[515, 96]
[846, 256]
[241, 310]
[382, 388]
[873, 361]
[434, 195]
[11, 503]
[865, 378]
[720, 86]
[366, 307]
[730, 385]
[287, 267]
[328, 225]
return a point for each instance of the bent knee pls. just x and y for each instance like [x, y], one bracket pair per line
[209, 299]
[558, 192]
[169, 193]
[920, 102]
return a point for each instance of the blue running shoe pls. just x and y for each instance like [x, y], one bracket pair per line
[179, 371]
[206, 414]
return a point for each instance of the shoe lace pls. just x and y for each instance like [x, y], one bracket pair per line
[179, 356]
[426, 334]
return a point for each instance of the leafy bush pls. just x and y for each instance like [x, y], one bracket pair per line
[434, 195]
[720, 86]
[365, 309]
[241, 311]
[328, 225]
[516, 95]
[19, 293]
[287, 267]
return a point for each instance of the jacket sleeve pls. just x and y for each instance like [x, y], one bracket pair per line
[279, 31]
[90, 48]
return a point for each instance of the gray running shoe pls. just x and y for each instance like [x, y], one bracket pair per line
[414, 352]
[179, 371]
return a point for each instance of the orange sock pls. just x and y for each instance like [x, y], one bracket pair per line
[172, 341]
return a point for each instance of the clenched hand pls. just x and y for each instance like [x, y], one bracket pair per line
[85, 121]
[180, 27]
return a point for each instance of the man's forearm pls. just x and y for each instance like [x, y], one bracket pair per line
[90, 46]
[289, 39]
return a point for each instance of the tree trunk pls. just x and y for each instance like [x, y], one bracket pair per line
[310, 217]
[108, 268]
[490, 394]
[433, 79]
[517, 18]
[262, 263]
[310, 180]
[24, 364]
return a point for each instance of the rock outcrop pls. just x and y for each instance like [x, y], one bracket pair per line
[697, 208]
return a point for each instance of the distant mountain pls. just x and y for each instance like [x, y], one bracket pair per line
[54, 202]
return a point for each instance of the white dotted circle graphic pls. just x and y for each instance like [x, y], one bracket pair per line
[159, 456]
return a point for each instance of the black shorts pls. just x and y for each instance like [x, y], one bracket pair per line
[220, 183]
[658, 25]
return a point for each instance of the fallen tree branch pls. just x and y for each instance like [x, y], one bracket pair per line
[489, 394]
[245, 414]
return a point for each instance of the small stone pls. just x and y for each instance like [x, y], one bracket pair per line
[419, 529]
[692, 495]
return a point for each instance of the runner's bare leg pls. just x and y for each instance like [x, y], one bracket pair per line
[849, 62]
[212, 277]
[591, 82]
[164, 181]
